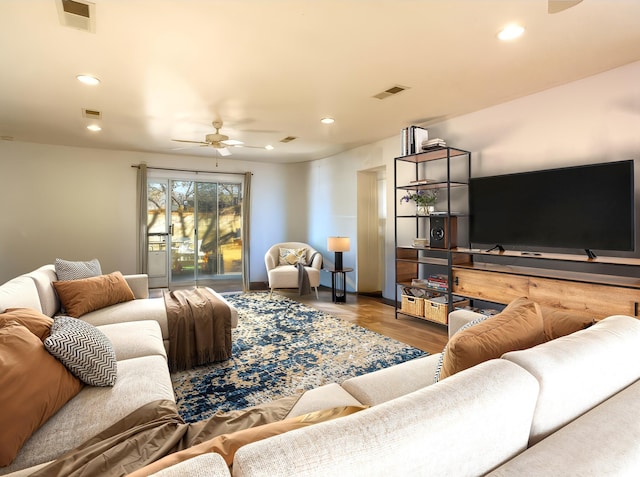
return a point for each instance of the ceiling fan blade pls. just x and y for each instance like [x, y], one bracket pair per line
[224, 151]
[252, 147]
[191, 142]
[182, 148]
[556, 6]
[232, 142]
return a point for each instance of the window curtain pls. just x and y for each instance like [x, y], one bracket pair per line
[142, 265]
[246, 235]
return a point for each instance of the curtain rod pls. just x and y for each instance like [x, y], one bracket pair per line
[136, 166]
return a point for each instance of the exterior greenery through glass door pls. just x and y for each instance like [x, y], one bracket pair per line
[205, 223]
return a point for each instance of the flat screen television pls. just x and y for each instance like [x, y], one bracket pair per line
[588, 207]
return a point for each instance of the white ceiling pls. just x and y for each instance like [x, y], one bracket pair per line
[273, 68]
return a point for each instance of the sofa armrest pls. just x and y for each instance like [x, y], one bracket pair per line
[270, 262]
[139, 285]
[389, 383]
[459, 318]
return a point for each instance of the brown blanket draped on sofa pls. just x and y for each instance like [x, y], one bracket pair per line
[199, 328]
[153, 432]
[155, 437]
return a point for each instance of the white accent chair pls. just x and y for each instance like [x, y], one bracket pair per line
[286, 276]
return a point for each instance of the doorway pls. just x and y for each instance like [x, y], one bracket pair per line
[194, 229]
[371, 222]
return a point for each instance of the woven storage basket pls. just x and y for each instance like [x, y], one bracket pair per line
[413, 305]
[439, 312]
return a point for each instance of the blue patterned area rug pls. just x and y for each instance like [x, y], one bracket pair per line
[282, 347]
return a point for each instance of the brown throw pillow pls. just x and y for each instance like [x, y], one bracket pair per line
[88, 294]
[33, 386]
[36, 322]
[559, 323]
[518, 326]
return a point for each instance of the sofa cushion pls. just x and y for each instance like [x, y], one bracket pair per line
[44, 278]
[88, 294]
[559, 323]
[421, 433]
[19, 292]
[292, 256]
[84, 350]
[74, 270]
[134, 339]
[140, 381]
[140, 310]
[33, 387]
[36, 322]
[518, 326]
[579, 371]
[604, 441]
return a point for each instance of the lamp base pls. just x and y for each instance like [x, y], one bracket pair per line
[338, 261]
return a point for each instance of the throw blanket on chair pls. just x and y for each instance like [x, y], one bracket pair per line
[304, 288]
[199, 328]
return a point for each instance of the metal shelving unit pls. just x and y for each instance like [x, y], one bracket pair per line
[446, 170]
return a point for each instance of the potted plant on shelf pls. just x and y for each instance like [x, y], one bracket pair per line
[425, 200]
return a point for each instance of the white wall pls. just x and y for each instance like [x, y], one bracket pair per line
[79, 203]
[596, 119]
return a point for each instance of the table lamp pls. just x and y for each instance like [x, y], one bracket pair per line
[338, 245]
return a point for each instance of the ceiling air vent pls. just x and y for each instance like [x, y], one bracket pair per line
[78, 15]
[91, 114]
[390, 92]
[288, 139]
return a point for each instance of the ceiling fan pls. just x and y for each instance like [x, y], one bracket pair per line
[220, 142]
[556, 6]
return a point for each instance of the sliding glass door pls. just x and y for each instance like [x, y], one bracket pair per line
[194, 233]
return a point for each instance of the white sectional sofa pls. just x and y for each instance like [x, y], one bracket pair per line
[138, 331]
[20, 290]
[143, 377]
[565, 407]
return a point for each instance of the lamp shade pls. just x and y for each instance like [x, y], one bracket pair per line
[338, 244]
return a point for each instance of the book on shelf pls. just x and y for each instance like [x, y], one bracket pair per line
[438, 282]
[412, 139]
[432, 144]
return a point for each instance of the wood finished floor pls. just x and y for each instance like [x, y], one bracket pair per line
[377, 316]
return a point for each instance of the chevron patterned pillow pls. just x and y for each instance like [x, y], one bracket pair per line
[68, 270]
[84, 350]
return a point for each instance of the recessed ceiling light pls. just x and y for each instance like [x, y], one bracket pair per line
[327, 120]
[511, 32]
[86, 79]
[269, 147]
[94, 127]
